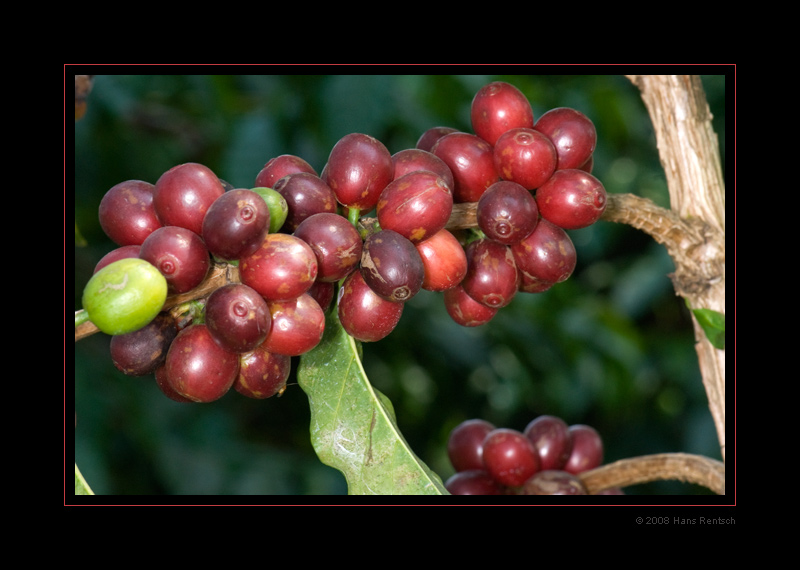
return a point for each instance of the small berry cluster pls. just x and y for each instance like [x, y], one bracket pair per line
[243, 334]
[296, 234]
[531, 182]
[543, 459]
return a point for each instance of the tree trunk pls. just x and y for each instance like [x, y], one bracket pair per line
[689, 152]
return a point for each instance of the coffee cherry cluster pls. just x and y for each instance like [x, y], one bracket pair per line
[372, 223]
[543, 459]
[531, 181]
[244, 333]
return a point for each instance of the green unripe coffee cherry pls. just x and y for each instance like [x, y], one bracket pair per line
[124, 296]
[278, 208]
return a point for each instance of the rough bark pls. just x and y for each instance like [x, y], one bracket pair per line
[689, 152]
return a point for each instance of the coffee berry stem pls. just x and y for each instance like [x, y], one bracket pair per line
[220, 274]
[189, 312]
[353, 215]
[81, 317]
[684, 467]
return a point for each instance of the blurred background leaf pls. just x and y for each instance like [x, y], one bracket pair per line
[611, 347]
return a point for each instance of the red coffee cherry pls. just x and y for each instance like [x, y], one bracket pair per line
[127, 214]
[180, 255]
[183, 194]
[509, 457]
[498, 107]
[587, 449]
[359, 168]
[323, 292]
[525, 156]
[280, 166]
[122, 252]
[416, 205]
[572, 133]
[262, 374]
[473, 482]
[572, 199]
[492, 277]
[547, 255]
[283, 267]
[550, 435]
[429, 137]
[471, 160]
[297, 325]
[197, 367]
[465, 444]
[165, 387]
[413, 159]
[365, 315]
[465, 310]
[444, 261]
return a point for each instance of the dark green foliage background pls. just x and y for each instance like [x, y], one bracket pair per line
[611, 347]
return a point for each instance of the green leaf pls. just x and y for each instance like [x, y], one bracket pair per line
[713, 324]
[353, 426]
[81, 486]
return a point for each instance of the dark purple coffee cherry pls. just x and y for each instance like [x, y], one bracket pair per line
[140, 352]
[336, 243]
[235, 224]
[507, 212]
[237, 317]
[306, 194]
[392, 266]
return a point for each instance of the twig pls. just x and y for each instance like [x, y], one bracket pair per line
[220, 274]
[684, 467]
